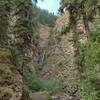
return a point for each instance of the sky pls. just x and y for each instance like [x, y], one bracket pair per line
[50, 5]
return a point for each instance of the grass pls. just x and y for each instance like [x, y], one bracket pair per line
[35, 84]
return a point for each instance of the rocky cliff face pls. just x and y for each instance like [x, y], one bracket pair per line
[61, 60]
[62, 22]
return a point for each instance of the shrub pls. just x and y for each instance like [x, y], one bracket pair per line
[35, 84]
[89, 60]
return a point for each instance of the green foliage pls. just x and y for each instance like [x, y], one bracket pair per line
[43, 16]
[4, 16]
[81, 8]
[5, 53]
[35, 84]
[5, 68]
[88, 59]
[88, 54]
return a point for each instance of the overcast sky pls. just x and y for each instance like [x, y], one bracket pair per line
[50, 5]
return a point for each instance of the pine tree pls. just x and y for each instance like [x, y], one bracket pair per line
[22, 31]
[4, 16]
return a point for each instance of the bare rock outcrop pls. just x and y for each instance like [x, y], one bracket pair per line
[61, 61]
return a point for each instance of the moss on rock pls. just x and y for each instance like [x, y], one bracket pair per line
[4, 52]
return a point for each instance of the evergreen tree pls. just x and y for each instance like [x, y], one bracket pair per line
[4, 20]
[23, 31]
